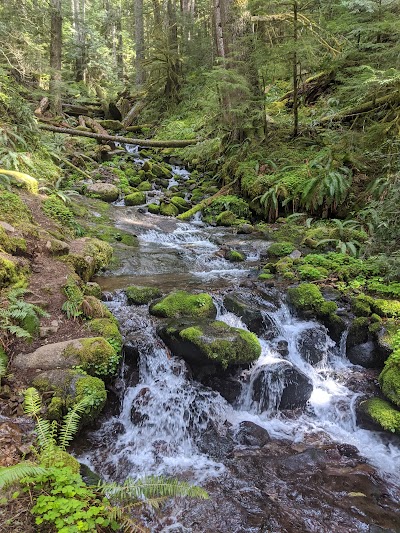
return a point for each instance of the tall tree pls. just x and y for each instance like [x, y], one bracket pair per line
[139, 43]
[79, 25]
[55, 56]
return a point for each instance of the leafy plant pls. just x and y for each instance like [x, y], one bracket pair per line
[60, 496]
[15, 315]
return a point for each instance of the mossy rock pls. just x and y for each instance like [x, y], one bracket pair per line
[306, 297]
[108, 328]
[389, 378]
[211, 342]
[154, 209]
[234, 256]
[280, 249]
[226, 218]
[113, 125]
[161, 171]
[70, 387]
[88, 255]
[96, 356]
[92, 288]
[168, 210]
[180, 203]
[183, 304]
[55, 457]
[386, 308]
[136, 198]
[134, 181]
[141, 295]
[13, 210]
[144, 186]
[11, 244]
[107, 192]
[382, 413]
[10, 273]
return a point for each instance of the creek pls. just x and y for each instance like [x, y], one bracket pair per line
[304, 472]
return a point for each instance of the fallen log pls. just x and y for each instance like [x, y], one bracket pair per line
[366, 107]
[175, 143]
[133, 113]
[44, 105]
[95, 126]
[311, 89]
[138, 128]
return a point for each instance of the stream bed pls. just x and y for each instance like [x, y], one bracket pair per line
[267, 469]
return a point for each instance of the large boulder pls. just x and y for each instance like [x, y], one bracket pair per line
[210, 342]
[255, 319]
[312, 345]
[103, 191]
[94, 355]
[366, 354]
[88, 255]
[281, 386]
[250, 434]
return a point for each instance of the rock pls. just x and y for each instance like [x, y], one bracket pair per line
[378, 414]
[139, 403]
[136, 198]
[68, 387]
[205, 342]
[107, 192]
[216, 442]
[88, 255]
[312, 345]
[296, 254]
[141, 295]
[168, 210]
[366, 355]
[94, 354]
[56, 247]
[282, 347]
[45, 331]
[245, 229]
[7, 227]
[256, 320]
[281, 385]
[93, 289]
[183, 304]
[250, 434]
[358, 332]
[228, 387]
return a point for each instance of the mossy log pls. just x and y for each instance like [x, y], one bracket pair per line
[95, 126]
[133, 112]
[175, 143]
[204, 203]
[372, 105]
[312, 88]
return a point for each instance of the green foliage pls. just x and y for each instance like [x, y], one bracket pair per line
[280, 249]
[97, 356]
[55, 208]
[236, 205]
[383, 413]
[15, 317]
[13, 210]
[182, 303]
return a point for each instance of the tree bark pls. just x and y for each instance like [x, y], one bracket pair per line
[175, 143]
[43, 106]
[219, 35]
[79, 16]
[55, 56]
[133, 113]
[295, 78]
[139, 43]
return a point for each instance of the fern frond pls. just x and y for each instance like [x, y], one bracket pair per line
[151, 487]
[13, 474]
[127, 524]
[45, 433]
[71, 422]
[32, 402]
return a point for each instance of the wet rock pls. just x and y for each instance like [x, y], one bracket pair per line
[216, 442]
[138, 416]
[366, 355]
[228, 387]
[250, 434]
[245, 229]
[281, 385]
[358, 332]
[312, 345]
[296, 254]
[256, 320]
[282, 347]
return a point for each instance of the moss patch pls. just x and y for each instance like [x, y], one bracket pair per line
[280, 249]
[382, 413]
[13, 210]
[97, 357]
[141, 295]
[136, 198]
[182, 303]
[108, 329]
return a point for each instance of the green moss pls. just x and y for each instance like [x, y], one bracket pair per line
[265, 276]
[327, 308]
[238, 206]
[55, 409]
[226, 218]
[56, 209]
[153, 208]
[308, 272]
[9, 273]
[89, 387]
[280, 249]
[96, 356]
[383, 413]
[92, 289]
[182, 303]
[56, 457]
[136, 198]
[13, 210]
[239, 346]
[234, 256]
[134, 180]
[360, 306]
[386, 308]
[306, 297]
[169, 210]
[141, 295]
[12, 245]
[93, 255]
[389, 378]
[108, 329]
[180, 203]
[144, 186]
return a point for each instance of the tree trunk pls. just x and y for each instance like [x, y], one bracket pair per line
[219, 35]
[133, 113]
[55, 56]
[295, 79]
[139, 43]
[175, 143]
[79, 15]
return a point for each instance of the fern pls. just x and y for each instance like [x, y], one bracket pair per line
[71, 422]
[13, 474]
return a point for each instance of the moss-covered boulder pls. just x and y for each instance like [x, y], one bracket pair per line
[94, 355]
[154, 209]
[136, 198]
[208, 342]
[381, 414]
[226, 218]
[141, 295]
[183, 304]
[168, 210]
[144, 186]
[161, 171]
[88, 255]
[107, 192]
[67, 388]
[10, 273]
[92, 288]
[182, 204]
[280, 249]
[234, 256]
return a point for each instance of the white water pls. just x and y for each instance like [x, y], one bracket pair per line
[171, 411]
